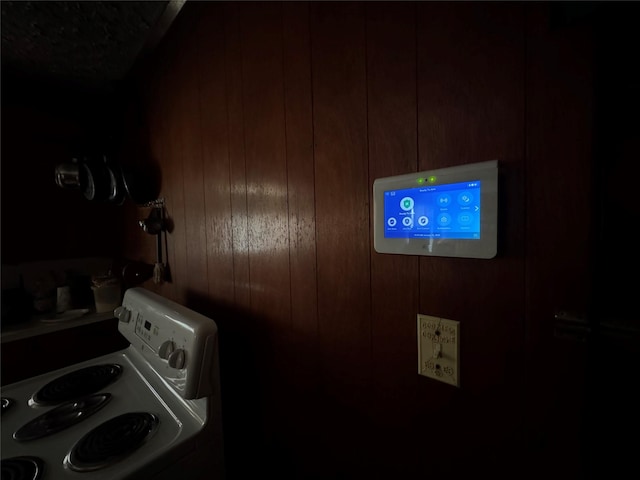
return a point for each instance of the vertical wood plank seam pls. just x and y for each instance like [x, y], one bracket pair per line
[417, 15]
[198, 65]
[244, 159]
[286, 160]
[525, 163]
[365, 20]
[180, 162]
[526, 331]
[417, 90]
[227, 47]
[225, 41]
[313, 162]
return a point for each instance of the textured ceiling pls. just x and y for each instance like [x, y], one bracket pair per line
[87, 43]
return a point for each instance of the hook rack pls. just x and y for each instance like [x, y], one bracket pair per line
[155, 225]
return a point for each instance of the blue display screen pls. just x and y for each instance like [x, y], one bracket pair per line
[435, 211]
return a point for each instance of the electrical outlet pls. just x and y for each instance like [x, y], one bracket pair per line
[439, 349]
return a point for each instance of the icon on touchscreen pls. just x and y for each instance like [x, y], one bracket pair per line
[444, 219]
[465, 218]
[444, 200]
[465, 198]
[406, 203]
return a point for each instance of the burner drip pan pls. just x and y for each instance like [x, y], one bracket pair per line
[22, 468]
[61, 417]
[76, 384]
[111, 441]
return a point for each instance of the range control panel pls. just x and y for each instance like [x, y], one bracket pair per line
[177, 342]
[146, 330]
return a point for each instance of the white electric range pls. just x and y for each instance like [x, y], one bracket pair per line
[150, 411]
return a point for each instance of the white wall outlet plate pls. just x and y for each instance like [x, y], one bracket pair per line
[439, 349]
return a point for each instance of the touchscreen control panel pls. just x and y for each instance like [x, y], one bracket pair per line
[446, 212]
[434, 211]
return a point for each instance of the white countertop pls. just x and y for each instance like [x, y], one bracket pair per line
[43, 325]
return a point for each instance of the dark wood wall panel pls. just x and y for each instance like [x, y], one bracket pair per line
[342, 223]
[237, 165]
[215, 153]
[300, 167]
[266, 162]
[471, 109]
[157, 125]
[153, 88]
[189, 144]
[299, 364]
[160, 141]
[267, 214]
[559, 131]
[270, 121]
[341, 185]
[174, 174]
[392, 140]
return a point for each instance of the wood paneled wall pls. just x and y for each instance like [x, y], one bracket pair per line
[270, 122]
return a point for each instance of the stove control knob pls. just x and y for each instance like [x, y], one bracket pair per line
[166, 349]
[123, 314]
[177, 359]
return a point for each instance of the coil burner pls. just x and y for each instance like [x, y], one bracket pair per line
[61, 417]
[111, 441]
[22, 468]
[76, 384]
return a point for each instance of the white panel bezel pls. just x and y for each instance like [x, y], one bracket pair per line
[485, 247]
